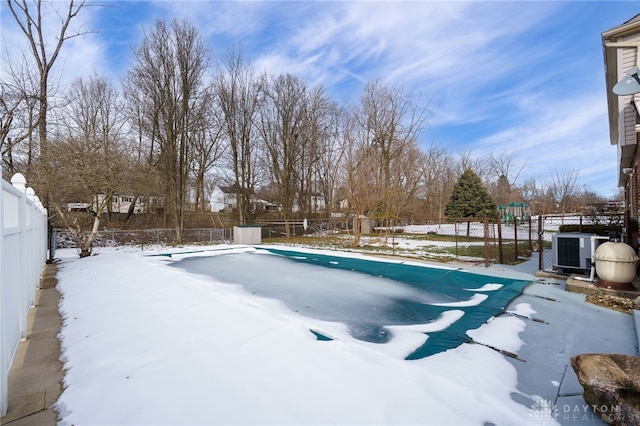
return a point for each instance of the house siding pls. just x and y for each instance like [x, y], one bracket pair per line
[620, 47]
[217, 200]
[628, 121]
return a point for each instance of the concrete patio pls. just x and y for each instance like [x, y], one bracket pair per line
[35, 380]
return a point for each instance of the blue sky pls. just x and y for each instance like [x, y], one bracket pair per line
[499, 77]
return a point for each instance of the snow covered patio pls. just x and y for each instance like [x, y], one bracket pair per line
[147, 343]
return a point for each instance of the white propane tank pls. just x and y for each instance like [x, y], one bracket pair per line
[616, 265]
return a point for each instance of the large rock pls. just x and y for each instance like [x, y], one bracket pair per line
[611, 386]
[636, 303]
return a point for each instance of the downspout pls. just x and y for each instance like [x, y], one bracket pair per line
[631, 193]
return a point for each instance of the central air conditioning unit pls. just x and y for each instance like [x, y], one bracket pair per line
[572, 251]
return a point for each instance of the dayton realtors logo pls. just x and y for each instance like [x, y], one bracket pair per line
[583, 413]
[546, 412]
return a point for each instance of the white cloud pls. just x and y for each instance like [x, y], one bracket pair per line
[213, 18]
[559, 134]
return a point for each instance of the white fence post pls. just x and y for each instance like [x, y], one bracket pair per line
[4, 373]
[23, 253]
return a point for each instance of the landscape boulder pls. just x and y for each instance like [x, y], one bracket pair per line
[636, 303]
[611, 384]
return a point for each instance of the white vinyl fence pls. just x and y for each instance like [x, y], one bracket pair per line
[23, 253]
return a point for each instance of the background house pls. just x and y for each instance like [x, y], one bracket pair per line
[620, 45]
[224, 199]
[119, 204]
[315, 201]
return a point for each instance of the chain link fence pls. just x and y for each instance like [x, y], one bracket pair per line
[479, 240]
[469, 240]
[475, 240]
[600, 225]
[147, 237]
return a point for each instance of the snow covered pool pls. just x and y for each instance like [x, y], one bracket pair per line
[144, 342]
[373, 298]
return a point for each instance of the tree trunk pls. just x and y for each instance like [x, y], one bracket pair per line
[357, 230]
[86, 243]
[131, 209]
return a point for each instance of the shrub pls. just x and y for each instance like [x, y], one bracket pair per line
[598, 229]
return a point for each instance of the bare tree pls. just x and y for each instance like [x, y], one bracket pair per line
[143, 124]
[296, 124]
[390, 123]
[331, 155]
[361, 166]
[10, 106]
[29, 17]
[318, 134]
[534, 194]
[168, 74]
[208, 148]
[281, 123]
[503, 168]
[86, 177]
[594, 205]
[95, 112]
[406, 176]
[564, 188]
[90, 163]
[439, 173]
[238, 92]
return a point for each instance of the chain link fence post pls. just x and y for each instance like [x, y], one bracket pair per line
[530, 234]
[486, 242]
[500, 252]
[540, 246]
[515, 237]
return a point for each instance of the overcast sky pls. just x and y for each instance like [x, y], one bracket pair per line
[499, 77]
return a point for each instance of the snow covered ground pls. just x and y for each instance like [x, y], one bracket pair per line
[146, 343]
[476, 229]
[551, 225]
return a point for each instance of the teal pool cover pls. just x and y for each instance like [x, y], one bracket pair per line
[457, 284]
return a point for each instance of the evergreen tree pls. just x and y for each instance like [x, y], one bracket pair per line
[470, 198]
